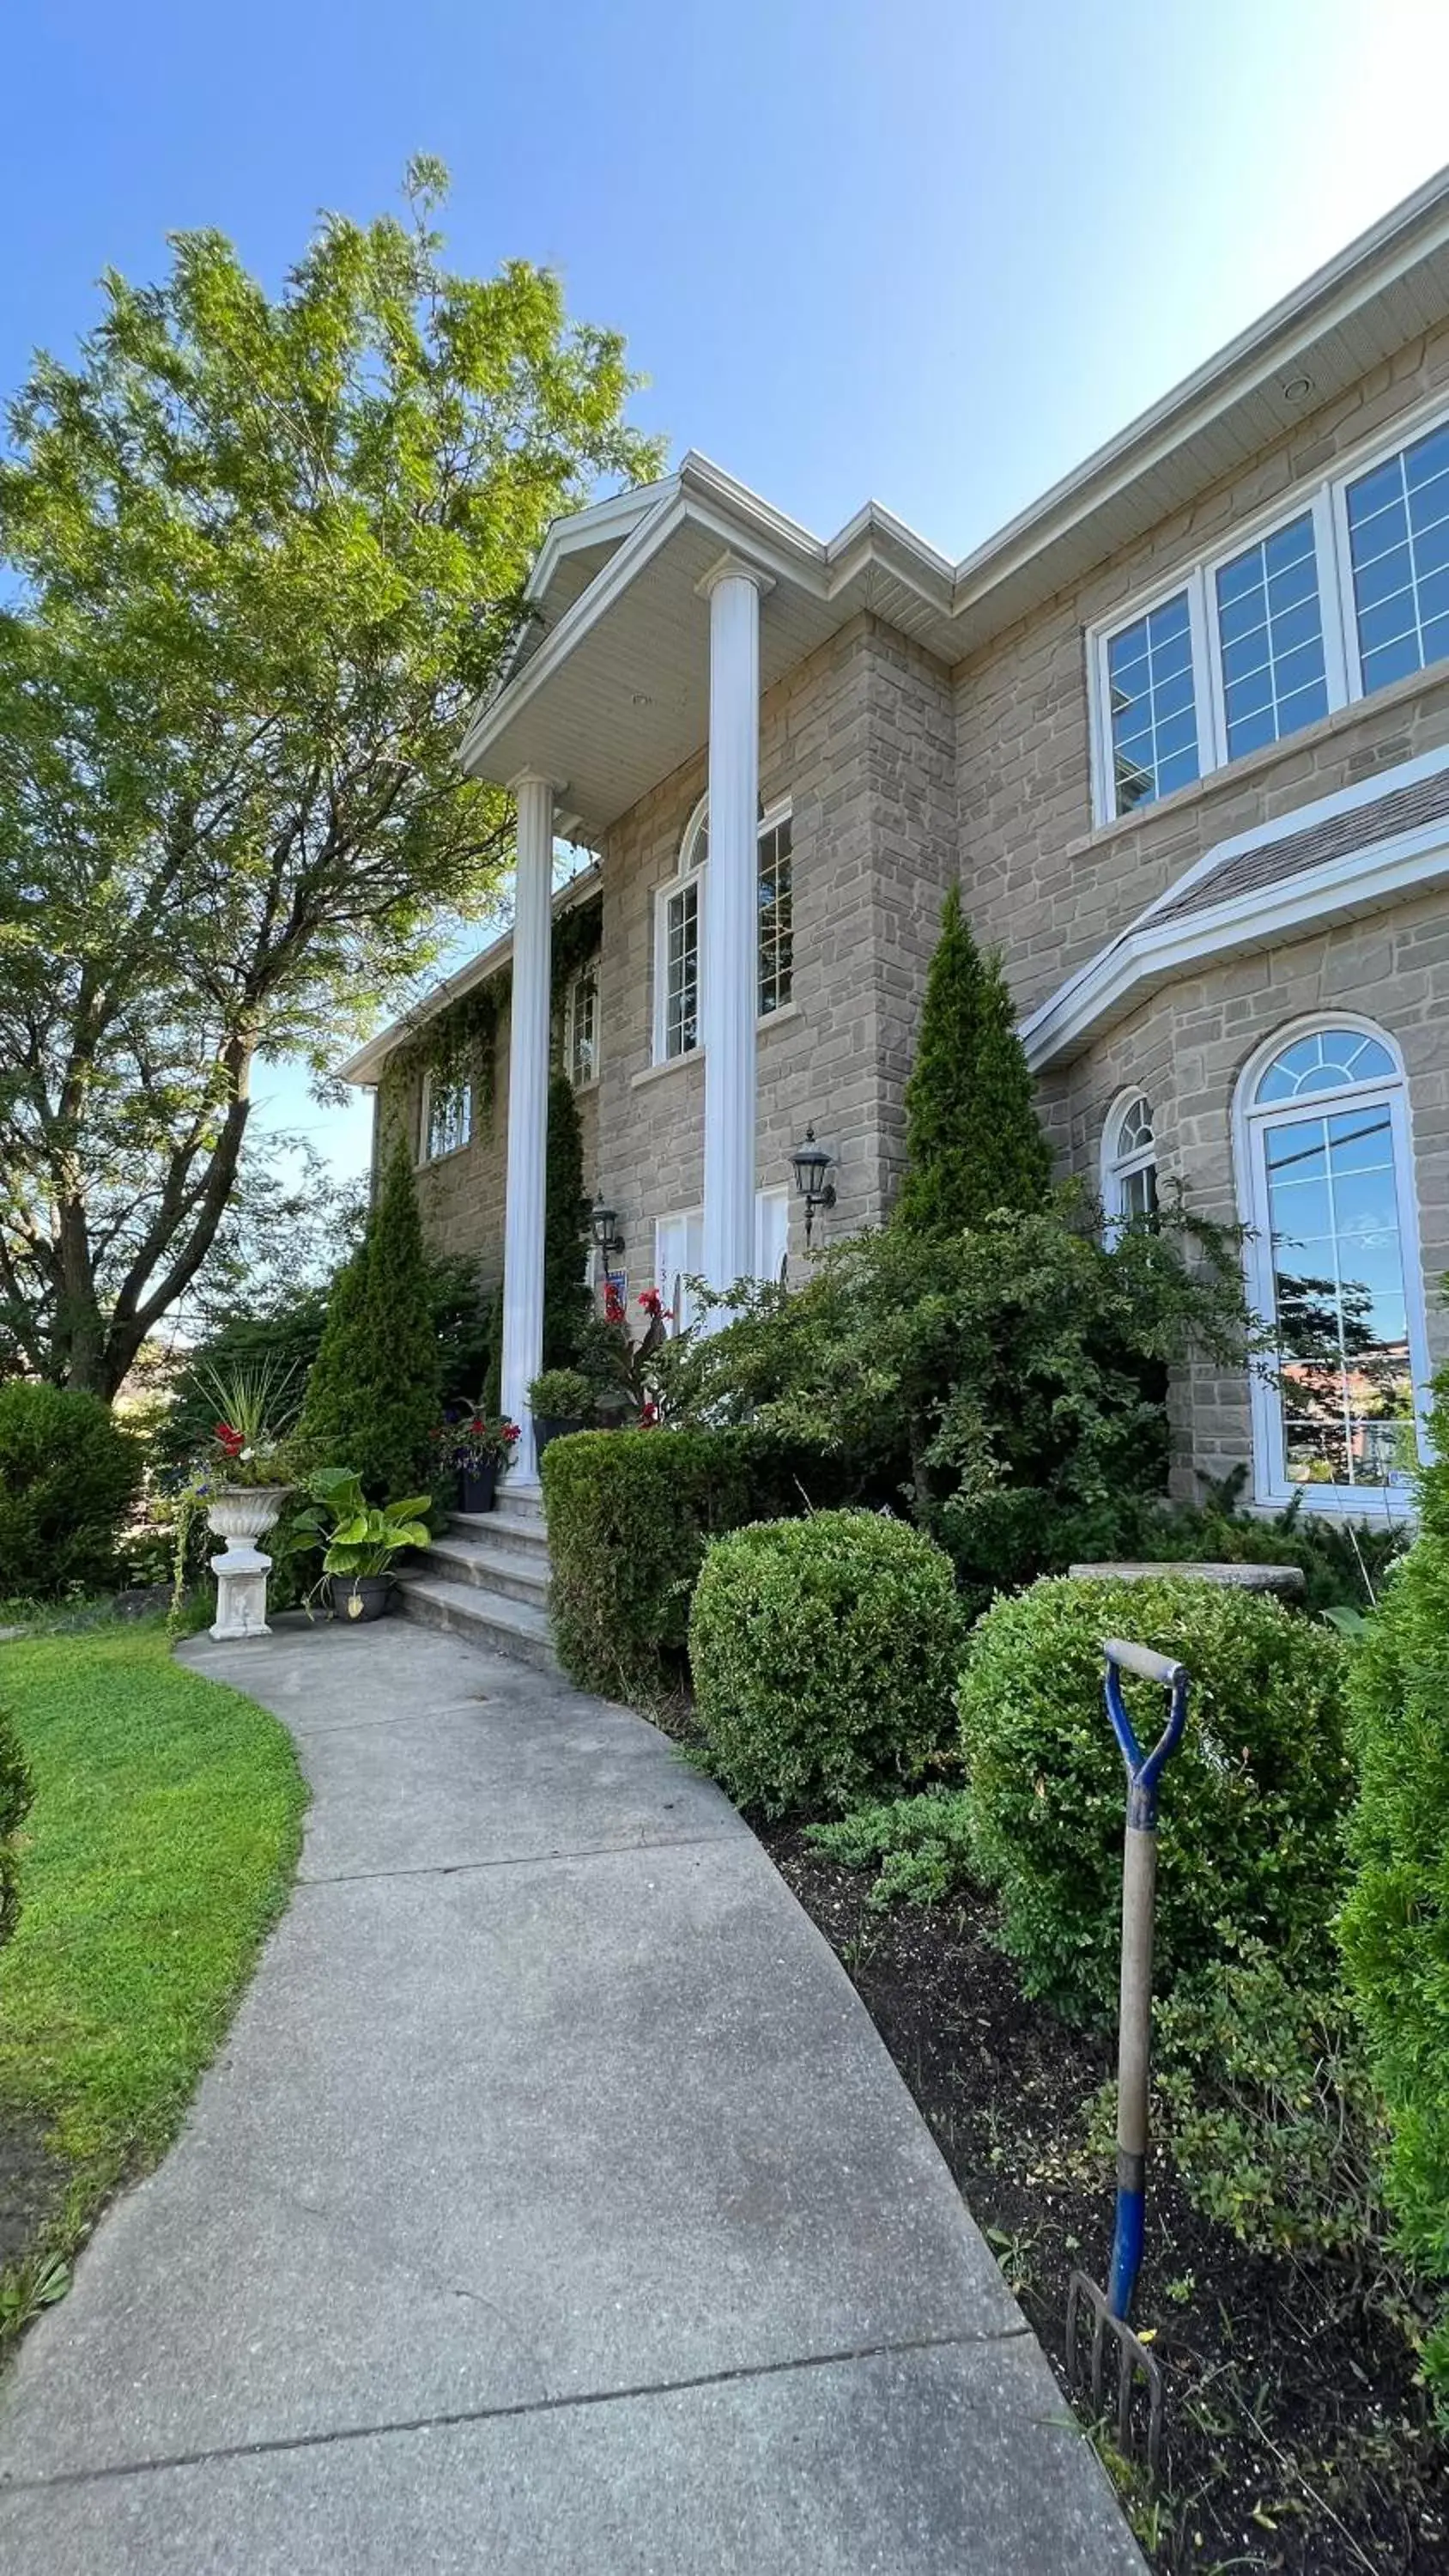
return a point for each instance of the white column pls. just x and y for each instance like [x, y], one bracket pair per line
[527, 1113]
[731, 921]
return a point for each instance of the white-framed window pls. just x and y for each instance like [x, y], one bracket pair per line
[1129, 1162]
[777, 917]
[679, 932]
[447, 1116]
[1316, 602]
[679, 1252]
[581, 1027]
[772, 1236]
[1326, 1177]
[678, 1258]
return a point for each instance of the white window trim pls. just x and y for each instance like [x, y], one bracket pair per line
[588, 971]
[688, 872]
[424, 1158]
[1325, 501]
[695, 1216]
[1116, 1168]
[1272, 1488]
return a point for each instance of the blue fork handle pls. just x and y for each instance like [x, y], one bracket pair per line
[1144, 1770]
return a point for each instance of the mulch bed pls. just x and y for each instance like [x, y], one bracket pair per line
[1296, 2439]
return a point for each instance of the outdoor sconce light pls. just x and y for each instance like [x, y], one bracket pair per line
[811, 1163]
[605, 1223]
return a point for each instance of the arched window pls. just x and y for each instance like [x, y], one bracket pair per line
[1129, 1162]
[1327, 1182]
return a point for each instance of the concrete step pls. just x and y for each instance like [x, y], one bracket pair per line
[479, 1618]
[526, 1500]
[509, 1571]
[503, 1529]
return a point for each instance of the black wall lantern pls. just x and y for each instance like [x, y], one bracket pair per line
[811, 1163]
[605, 1223]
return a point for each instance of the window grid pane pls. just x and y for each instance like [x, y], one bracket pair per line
[1154, 726]
[1345, 1382]
[681, 987]
[1270, 630]
[583, 1029]
[1398, 533]
[777, 911]
[450, 1117]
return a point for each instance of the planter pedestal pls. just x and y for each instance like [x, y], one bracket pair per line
[240, 1514]
[241, 1592]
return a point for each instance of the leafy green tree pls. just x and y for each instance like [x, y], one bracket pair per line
[373, 1397]
[259, 554]
[973, 1142]
[565, 1228]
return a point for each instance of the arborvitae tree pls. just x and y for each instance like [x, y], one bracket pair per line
[565, 1228]
[973, 1142]
[373, 1396]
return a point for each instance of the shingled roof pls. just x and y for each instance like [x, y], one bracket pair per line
[1380, 842]
[1293, 850]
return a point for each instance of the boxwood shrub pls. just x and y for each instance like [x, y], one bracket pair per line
[630, 1514]
[823, 1654]
[68, 1476]
[1249, 1834]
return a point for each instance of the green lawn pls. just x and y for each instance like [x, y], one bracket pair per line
[161, 1844]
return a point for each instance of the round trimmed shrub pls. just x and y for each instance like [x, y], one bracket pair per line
[1249, 1824]
[68, 1476]
[823, 1653]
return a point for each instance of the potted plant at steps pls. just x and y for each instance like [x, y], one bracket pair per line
[476, 1448]
[561, 1400]
[359, 1541]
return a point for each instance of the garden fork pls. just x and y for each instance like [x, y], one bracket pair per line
[1111, 2308]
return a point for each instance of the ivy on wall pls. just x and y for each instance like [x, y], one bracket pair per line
[462, 1041]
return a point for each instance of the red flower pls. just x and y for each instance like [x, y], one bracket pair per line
[651, 1301]
[478, 1423]
[232, 1441]
[649, 1415]
[511, 1431]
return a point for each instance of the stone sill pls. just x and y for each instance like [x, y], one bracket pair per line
[676, 1063]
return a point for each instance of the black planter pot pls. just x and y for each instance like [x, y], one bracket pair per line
[555, 1426]
[359, 1596]
[478, 1486]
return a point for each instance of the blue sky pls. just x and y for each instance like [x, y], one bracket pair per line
[924, 252]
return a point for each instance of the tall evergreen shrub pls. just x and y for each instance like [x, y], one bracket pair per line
[973, 1141]
[373, 1396]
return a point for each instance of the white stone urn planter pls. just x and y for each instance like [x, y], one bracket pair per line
[240, 1514]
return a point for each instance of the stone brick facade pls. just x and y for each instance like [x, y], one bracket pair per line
[901, 774]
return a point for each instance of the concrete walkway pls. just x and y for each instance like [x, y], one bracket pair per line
[553, 2207]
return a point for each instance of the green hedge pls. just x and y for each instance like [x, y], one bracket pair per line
[1249, 1838]
[15, 1797]
[823, 1653]
[1395, 1926]
[630, 1514]
[68, 1477]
